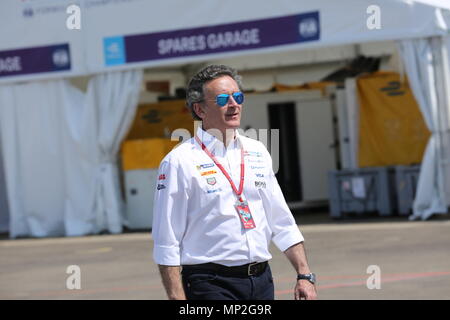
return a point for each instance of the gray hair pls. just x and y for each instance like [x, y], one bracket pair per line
[195, 93]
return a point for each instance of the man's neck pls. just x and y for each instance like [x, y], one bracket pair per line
[225, 136]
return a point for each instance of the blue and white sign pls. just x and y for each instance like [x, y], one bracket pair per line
[262, 33]
[114, 50]
[35, 60]
[309, 27]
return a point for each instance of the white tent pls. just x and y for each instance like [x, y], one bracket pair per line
[58, 144]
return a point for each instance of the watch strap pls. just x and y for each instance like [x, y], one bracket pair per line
[311, 277]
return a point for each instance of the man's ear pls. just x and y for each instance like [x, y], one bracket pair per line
[198, 109]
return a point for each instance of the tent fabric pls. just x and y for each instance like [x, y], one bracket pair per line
[422, 59]
[97, 129]
[445, 114]
[116, 95]
[59, 147]
[392, 130]
[4, 211]
[32, 146]
[435, 3]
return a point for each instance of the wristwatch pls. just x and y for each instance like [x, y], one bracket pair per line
[311, 277]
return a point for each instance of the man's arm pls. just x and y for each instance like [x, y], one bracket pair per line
[286, 235]
[172, 282]
[303, 288]
[169, 224]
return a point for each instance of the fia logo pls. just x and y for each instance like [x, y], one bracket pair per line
[28, 12]
[61, 58]
[308, 28]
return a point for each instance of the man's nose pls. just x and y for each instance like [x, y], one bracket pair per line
[232, 102]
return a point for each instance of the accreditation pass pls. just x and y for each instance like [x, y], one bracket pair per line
[225, 309]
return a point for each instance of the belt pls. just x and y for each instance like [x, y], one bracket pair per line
[250, 269]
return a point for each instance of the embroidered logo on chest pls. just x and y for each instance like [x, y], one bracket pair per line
[252, 154]
[211, 181]
[214, 190]
[160, 187]
[260, 184]
[205, 166]
[207, 173]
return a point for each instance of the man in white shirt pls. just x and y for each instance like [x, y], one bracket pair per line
[218, 205]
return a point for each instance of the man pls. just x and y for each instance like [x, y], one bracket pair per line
[218, 205]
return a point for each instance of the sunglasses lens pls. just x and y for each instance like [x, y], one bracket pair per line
[238, 97]
[222, 99]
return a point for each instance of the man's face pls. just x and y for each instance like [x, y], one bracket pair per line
[214, 116]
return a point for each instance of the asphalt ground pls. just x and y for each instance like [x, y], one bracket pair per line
[412, 259]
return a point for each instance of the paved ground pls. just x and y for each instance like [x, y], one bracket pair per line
[413, 257]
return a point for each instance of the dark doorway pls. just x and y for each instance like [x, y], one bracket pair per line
[282, 116]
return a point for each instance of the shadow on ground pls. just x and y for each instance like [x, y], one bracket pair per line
[321, 215]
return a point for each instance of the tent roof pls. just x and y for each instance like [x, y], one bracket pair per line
[444, 4]
[122, 35]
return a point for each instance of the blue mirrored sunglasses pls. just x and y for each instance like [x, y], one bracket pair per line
[222, 99]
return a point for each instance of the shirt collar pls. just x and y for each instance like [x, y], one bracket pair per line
[211, 142]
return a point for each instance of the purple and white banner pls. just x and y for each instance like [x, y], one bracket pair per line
[246, 35]
[35, 60]
[104, 34]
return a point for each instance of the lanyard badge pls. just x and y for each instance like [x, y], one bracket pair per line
[241, 205]
[244, 213]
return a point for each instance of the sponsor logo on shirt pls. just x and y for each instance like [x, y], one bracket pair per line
[214, 190]
[162, 177]
[252, 154]
[255, 161]
[211, 181]
[260, 184]
[258, 167]
[207, 173]
[160, 186]
[205, 166]
[259, 175]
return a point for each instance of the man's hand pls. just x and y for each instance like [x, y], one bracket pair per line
[305, 290]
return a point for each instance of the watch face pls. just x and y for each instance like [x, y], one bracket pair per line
[311, 277]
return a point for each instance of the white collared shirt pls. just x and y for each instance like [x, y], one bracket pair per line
[194, 218]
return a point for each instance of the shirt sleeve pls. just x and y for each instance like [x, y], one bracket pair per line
[285, 232]
[169, 214]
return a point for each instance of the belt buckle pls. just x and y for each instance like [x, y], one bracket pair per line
[249, 271]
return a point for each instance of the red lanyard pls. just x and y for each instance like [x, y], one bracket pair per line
[225, 173]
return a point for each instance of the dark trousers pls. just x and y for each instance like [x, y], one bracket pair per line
[210, 285]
